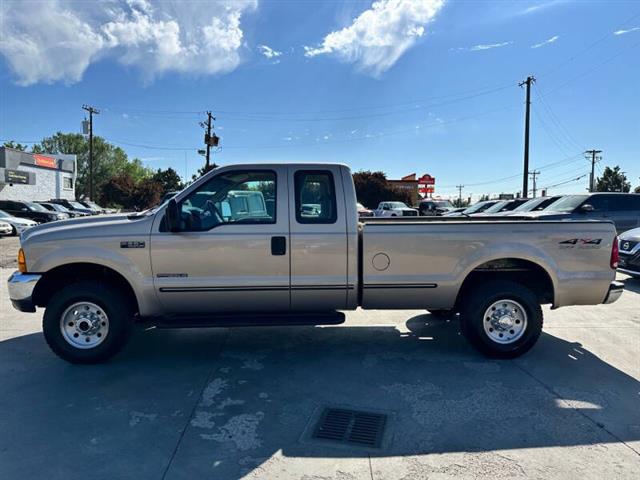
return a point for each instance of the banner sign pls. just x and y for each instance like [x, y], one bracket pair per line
[16, 176]
[427, 179]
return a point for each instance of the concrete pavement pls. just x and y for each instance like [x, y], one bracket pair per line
[235, 403]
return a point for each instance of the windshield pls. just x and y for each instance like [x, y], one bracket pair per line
[566, 204]
[34, 207]
[396, 205]
[478, 207]
[59, 208]
[530, 205]
[496, 207]
[77, 205]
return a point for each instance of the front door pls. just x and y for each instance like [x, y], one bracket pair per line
[231, 253]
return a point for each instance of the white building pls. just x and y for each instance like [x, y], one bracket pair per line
[36, 177]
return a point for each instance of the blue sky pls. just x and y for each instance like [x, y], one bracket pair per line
[401, 86]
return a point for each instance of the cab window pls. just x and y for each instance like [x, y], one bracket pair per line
[315, 197]
[240, 197]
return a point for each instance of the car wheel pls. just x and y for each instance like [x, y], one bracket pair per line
[87, 322]
[502, 319]
[14, 230]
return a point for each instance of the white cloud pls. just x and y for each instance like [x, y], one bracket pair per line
[379, 36]
[489, 46]
[546, 42]
[629, 30]
[56, 40]
[268, 52]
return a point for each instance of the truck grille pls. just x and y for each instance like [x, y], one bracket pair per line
[409, 213]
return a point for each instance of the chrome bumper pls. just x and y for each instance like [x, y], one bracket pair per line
[615, 290]
[21, 287]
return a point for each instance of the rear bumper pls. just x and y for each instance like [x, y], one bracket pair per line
[615, 290]
[21, 287]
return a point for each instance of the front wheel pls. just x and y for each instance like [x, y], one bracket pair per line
[502, 319]
[87, 322]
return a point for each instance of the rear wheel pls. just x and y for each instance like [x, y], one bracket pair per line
[87, 322]
[502, 319]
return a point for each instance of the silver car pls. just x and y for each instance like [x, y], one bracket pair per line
[17, 224]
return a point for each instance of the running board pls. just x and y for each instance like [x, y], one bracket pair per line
[252, 319]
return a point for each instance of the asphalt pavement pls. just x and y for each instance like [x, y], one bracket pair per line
[242, 403]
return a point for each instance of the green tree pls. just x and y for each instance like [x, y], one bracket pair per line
[15, 146]
[612, 180]
[168, 179]
[373, 188]
[459, 203]
[202, 170]
[484, 198]
[637, 190]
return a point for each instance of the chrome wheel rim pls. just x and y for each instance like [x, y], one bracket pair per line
[505, 321]
[84, 325]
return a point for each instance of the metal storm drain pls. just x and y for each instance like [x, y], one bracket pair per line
[351, 427]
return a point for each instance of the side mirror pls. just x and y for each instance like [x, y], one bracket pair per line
[172, 216]
[587, 207]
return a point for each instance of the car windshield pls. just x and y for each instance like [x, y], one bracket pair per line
[478, 207]
[59, 208]
[530, 205]
[566, 204]
[496, 207]
[444, 203]
[77, 205]
[34, 207]
[396, 205]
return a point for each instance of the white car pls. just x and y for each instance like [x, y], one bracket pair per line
[17, 225]
[5, 228]
[394, 209]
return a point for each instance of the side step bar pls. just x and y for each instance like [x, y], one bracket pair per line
[252, 319]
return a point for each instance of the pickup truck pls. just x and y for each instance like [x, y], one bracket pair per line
[194, 262]
[394, 209]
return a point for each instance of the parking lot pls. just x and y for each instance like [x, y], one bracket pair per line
[239, 403]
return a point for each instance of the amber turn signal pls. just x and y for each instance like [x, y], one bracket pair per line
[22, 261]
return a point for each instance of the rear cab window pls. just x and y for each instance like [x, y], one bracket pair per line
[315, 197]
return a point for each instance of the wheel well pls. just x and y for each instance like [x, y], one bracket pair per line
[524, 272]
[59, 277]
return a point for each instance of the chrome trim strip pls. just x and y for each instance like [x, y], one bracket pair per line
[400, 285]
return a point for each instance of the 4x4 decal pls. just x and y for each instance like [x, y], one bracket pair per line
[581, 243]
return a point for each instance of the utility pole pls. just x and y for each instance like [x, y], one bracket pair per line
[592, 179]
[210, 138]
[460, 187]
[534, 174]
[525, 178]
[91, 111]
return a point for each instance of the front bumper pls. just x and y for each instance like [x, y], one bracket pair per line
[21, 287]
[615, 290]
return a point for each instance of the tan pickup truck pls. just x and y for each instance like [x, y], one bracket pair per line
[281, 244]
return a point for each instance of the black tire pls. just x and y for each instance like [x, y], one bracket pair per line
[481, 298]
[443, 313]
[110, 299]
[14, 231]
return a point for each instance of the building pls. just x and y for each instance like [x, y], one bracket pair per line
[35, 176]
[408, 184]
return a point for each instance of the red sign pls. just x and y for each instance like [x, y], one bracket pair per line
[427, 179]
[43, 161]
[427, 189]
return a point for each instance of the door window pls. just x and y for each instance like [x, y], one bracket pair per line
[315, 197]
[240, 197]
[624, 203]
[599, 203]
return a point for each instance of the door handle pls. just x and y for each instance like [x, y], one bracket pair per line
[278, 245]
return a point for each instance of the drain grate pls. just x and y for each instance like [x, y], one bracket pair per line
[351, 427]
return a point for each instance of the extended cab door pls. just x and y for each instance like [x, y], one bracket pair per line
[318, 238]
[232, 251]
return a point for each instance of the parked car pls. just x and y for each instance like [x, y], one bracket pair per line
[97, 209]
[623, 209]
[72, 205]
[30, 210]
[183, 264]
[18, 225]
[501, 207]
[363, 212]
[429, 207]
[54, 207]
[475, 208]
[629, 247]
[532, 205]
[5, 228]
[394, 209]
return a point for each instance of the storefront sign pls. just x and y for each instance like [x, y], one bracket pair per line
[16, 176]
[43, 161]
